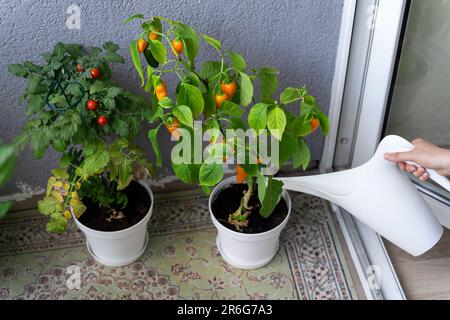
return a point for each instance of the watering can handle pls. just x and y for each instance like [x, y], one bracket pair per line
[398, 144]
[436, 177]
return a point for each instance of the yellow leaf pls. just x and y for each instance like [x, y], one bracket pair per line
[74, 201]
[50, 184]
[57, 196]
[78, 209]
[67, 215]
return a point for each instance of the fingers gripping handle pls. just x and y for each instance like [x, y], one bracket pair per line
[436, 177]
[398, 144]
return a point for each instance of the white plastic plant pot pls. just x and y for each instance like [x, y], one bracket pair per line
[246, 251]
[119, 248]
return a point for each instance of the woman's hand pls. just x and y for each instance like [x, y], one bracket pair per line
[426, 155]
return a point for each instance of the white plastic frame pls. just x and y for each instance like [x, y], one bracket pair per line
[375, 35]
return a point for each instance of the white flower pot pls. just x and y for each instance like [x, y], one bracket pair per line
[119, 248]
[247, 251]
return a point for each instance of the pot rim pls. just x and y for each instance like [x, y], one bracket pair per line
[219, 225]
[119, 232]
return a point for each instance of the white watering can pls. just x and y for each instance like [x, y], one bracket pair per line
[382, 197]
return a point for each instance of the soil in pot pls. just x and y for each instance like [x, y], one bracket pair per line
[98, 218]
[228, 200]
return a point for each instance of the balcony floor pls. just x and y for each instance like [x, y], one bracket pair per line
[181, 260]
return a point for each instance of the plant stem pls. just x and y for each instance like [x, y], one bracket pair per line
[240, 217]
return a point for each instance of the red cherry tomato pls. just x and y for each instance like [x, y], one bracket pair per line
[95, 73]
[92, 105]
[102, 120]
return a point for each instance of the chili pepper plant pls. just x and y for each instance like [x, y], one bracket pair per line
[220, 94]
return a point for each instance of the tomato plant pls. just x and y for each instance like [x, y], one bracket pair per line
[92, 122]
[220, 94]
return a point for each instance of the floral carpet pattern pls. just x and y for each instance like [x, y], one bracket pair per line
[181, 260]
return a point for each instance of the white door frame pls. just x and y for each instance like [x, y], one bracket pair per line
[366, 59]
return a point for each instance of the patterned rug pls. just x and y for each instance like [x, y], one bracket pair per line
[181, 261]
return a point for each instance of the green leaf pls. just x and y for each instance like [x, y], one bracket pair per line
[166, 103]
[136, 60]
[159, 51]
[271, 197]
[261, 187]
[153, 137]
[65, 160]
[209, 103]
[191, 97]
[125, 174]
[148, 85]
[108, 46]
[190, 40]
[289, 94]
[237, 123]
[113, 92]
[257, 118]
[214, 127]
[246, 89]
[251, 169]
[184, 115]
[119, 126]
[289, 148]
[156, 24]
[97, 86]
[324, 122]
[134, 17]
[150, 58]
[7, 163]
[95, 163]
[49, 205]
[155, 80]
[158, 114]
[276, 122]
[210, 174]
[57, 224]
[206, 190]
[209, 69]
[36, 103]
[268, 82]
[4, 207]
[231, 109]
[301, 126]
[238, 61]
[60, 173]
[18, 70]
[304, 155]
[212, 42]
[39, 142]
[113, 57]
[188, 173]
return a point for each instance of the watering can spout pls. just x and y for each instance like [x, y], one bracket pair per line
[381, 196]
[327, 186]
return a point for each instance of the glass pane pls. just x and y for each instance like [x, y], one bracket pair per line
[421, 101]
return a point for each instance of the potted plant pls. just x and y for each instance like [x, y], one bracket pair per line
[250, 209]
[74, 107]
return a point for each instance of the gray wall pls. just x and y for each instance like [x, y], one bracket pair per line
[297, 36]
